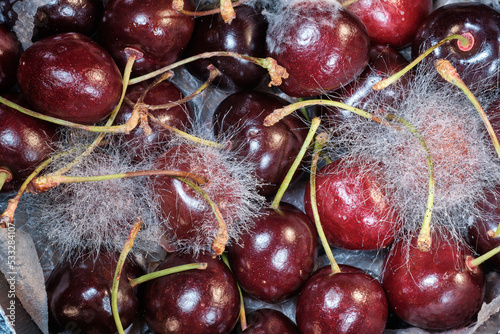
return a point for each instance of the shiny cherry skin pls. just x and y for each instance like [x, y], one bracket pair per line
[69, 76]
[10, 52]
[482, 23]
[150, 26]
[273, 149]
[347, 302]
[487, 221]
[60, 16]
[391, 22]
[269, 321]
[354, 211]
[245, 35]
[79, 294]
[137, 143]
[194, 301]
[433, 290]
[322, 46]
[384, 62]
[274, 260]
[25, 142]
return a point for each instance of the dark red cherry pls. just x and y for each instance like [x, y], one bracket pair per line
[392, 22]
[71, 77]
[269, 321]
[479, 21]
[322, 46]
[79, 294]
[60, 16]
[274, 260]
[245, 35]
[433, 290]
[137, 143]
[384, 62]
[25, 142]
[273, 149]
[150, 26]
[195, 301]
[354, 210]
[486, 222]
[347, 302]
[10, 52]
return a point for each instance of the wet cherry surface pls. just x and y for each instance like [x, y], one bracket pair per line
[273, 261]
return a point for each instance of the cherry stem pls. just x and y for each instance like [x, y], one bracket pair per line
[178, 5]
[494, 234]
[463, 39]
[5, 176]
[276, 71]
[424, 238]
[165, 272]
[288, 177]
[321, 140]
[222, 237]
[7, 217]
[44, 183]
[118, 271]
[348, 3]
[486, 256]
[449, 73]
[243, 317]
[125, 81]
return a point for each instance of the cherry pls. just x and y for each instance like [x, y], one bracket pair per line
[273, 149]
[433, 290]
[195, 301]
[137, 143]
[322, 46]
[482, 24]
[392, 22]
[347, 302]
[10, 52]
[245, 35]
[487, 221]
[71, 77]
[24, 142]
[354, 211]
[79, 294]
[269, 321]
[274, 260]
[61, 16]
[151, 26]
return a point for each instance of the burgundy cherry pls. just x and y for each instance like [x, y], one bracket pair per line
[25, 142]
[392, 22]
[347, 302]
[273, 149]
[60, 16]
[436, 289]
[354, 211]
[71, 77]
[274, 260]
[79, 294]
[194, 301]
[269, 321]
[245, 35]
[137, 143]
[322, 46]
[151, 26]
[482, 24]
[10, 52]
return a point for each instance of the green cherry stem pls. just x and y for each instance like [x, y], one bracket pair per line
[288, 177]
[5, 176]
[472, 263]
[129, 243]
[321, 140]
[243, 317]
[465, 42]
[157, 274]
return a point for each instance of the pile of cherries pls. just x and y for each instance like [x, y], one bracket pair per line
[73, 72]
